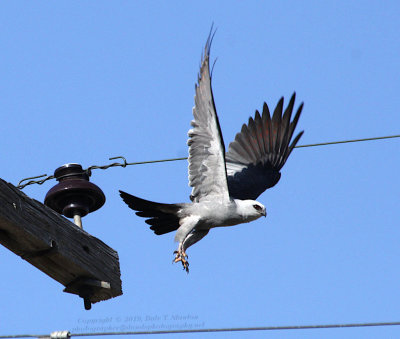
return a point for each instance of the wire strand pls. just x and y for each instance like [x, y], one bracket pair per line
[125, 163]
[244, 329]
[348, 141]
[214, 330]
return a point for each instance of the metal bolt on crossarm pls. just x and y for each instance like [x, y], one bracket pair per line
[74, 196]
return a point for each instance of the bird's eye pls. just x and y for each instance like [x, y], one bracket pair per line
[257, 207]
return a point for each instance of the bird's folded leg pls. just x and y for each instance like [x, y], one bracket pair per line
[181, 256]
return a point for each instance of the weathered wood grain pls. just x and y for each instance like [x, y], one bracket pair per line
[58, 247]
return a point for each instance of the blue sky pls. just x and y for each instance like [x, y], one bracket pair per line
[85, 81]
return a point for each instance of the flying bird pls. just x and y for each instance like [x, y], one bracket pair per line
[224, 185]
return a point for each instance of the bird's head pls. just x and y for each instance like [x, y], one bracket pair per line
[250, 209]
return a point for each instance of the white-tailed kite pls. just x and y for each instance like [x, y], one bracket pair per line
[224, 185]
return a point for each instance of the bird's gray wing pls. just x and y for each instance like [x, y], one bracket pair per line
[256, 156]
[207, 171]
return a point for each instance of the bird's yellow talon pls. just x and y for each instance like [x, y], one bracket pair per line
[182, 257]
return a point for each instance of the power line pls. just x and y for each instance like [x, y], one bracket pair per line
[348, 141]
[66, 334]
[31, 181]
[245, 329]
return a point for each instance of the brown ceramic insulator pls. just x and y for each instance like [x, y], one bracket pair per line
[74, 194]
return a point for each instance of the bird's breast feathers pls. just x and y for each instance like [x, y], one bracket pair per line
[218, 214]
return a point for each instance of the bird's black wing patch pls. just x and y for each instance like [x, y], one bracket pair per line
[256, 156]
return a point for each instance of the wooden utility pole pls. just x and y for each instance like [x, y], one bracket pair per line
[82, 263]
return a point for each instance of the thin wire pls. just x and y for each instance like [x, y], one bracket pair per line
[243, 329]
[125, 163]
[348, 141]
[214, 330]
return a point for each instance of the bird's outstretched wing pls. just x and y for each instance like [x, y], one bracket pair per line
[207, 172]
[256, 156]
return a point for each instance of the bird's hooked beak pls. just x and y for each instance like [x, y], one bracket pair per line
[264, 213]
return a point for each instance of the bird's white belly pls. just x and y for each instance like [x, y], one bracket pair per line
[216, 214]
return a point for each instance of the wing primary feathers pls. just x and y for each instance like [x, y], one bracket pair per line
[291, 147]
[284, 131]
[292, 127]
[261, 135]
[245, 142]
[256, 144]
[266, 128]
[256, 156]
[276, 124]
[296, 119]
[286, 121]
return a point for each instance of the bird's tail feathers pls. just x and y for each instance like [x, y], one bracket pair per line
[163, 218]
